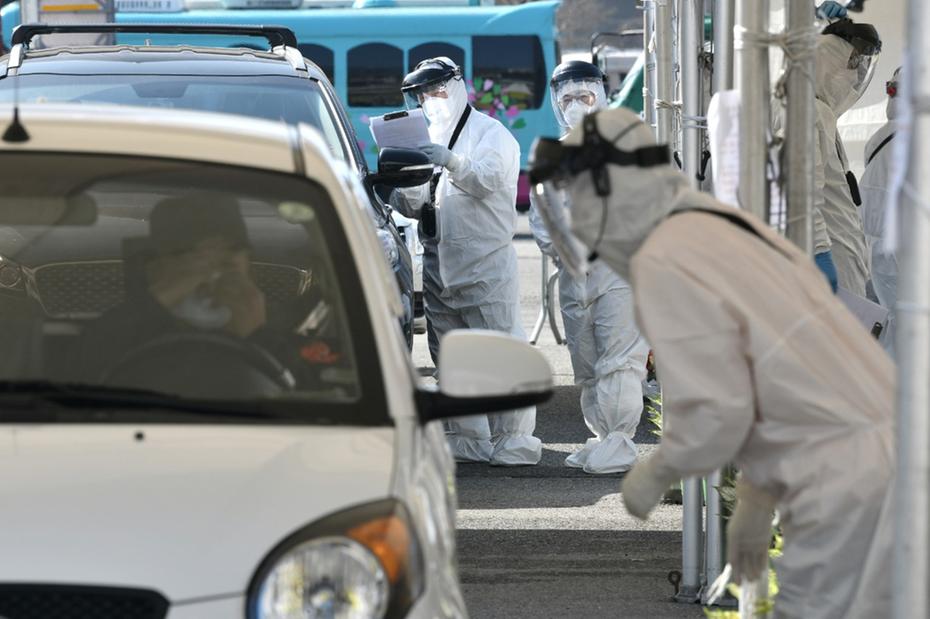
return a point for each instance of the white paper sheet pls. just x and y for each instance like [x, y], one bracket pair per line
[400, 130]
[866, 311]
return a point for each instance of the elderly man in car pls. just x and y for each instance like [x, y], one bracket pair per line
[195, 276]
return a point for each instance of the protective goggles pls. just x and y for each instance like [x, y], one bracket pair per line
[552, 160]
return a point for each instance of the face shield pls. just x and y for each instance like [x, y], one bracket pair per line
[436, 86]
[416, 96]
[863, 67]
[847, 57]
[572, 100]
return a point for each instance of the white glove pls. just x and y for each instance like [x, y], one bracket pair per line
[441, 156]
[749, 532]
[643, 487]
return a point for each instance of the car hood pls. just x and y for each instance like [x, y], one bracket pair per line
[189, 511]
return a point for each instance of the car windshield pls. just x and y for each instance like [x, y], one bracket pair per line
[272, 97]
[188, 282]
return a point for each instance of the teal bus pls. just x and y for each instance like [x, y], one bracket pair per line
[507, 52]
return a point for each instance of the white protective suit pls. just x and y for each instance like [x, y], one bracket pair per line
[607, 351]
[470, 278]
[875, 186]
[760, 365]
[836, 94]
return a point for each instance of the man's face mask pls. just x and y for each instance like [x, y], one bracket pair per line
[577, 105]
[438, 110]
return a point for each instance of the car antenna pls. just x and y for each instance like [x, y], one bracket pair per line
[15, 131]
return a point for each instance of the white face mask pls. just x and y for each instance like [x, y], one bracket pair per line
[438, 110]
[575, 113]
[199, 310]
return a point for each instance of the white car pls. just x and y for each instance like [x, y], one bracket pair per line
[208, 409]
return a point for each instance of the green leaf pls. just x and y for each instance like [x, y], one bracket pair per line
[486, 99]
[496, 90]
[505, 100]
[518, 124]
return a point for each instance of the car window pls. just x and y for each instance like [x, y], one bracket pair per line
[515, 64]
[322, 57]
[199, 281]
[425, 51]
[376, 71]
[289, 99]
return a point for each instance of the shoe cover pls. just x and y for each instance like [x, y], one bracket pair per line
[469, 438]
[578, 459]
[614, 454]
[465, 449]
[516, 450]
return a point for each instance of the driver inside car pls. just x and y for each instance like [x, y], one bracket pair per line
[196, 277]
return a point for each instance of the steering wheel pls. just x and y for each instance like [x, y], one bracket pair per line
[202, 365]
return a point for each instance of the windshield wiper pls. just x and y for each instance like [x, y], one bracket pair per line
[18, 395]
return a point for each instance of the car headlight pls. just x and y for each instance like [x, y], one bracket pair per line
[331, 577]
[362, 563]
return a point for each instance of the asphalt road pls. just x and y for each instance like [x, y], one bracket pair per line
[550, 541]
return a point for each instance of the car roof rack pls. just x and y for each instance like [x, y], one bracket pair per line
[275, 35]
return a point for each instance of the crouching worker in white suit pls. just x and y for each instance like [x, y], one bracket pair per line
[608, 354]
[760, 365]
[467, 221]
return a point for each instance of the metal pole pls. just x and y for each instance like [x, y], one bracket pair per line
[665, 78]
[649, 78]
[910, 571]
[724, 17]
[713, 515]
[692, 541]
[752, 74]
[691, 47]
[543, 301]
[799, 131]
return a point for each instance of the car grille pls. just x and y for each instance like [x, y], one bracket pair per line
[75, 602]
[79, 288]
[87, 289]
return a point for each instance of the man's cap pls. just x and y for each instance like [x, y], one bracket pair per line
[179, 223]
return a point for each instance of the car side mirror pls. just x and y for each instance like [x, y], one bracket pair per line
[402, 167]
[485, 372]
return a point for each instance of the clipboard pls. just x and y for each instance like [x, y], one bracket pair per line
[401, 129]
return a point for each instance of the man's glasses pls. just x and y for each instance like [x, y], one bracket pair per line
[586, 97]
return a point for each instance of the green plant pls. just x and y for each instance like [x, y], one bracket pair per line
[653, 404]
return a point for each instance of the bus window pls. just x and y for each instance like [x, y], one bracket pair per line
[418, 54]
[321, 57]
[515, 63]
[376, 71]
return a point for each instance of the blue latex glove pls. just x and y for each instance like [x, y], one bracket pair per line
[828, 268]
[831, 10]
[438, 154]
